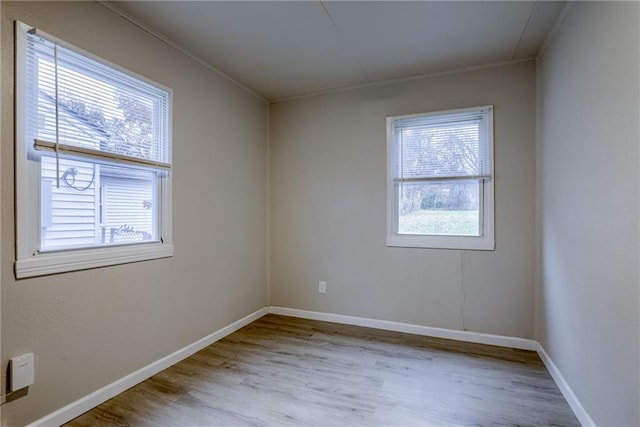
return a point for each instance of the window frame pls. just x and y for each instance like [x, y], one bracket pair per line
[30, 261]
[486, 239]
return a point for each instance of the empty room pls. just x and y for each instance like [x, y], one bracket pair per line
[320, 213]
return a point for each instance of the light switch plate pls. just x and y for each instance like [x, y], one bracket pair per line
[22, 371]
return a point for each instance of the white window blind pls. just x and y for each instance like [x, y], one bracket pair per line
[443, 146]
[129, 116]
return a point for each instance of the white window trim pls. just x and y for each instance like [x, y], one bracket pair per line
[29, 261]
[486, 241]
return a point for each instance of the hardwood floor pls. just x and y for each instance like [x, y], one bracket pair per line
[283, 371]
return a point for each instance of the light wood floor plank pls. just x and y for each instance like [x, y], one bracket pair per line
[283, 371]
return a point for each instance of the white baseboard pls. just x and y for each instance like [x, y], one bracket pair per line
[80, 406]
[566, 391]
[474, 337]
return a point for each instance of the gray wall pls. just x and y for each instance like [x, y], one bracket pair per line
[328, 208]
[588, 171]
[90, 328]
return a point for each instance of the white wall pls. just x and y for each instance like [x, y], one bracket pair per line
[588, 171]
[328, 207]
[92, 327]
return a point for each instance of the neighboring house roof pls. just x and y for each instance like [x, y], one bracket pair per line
[74, 118]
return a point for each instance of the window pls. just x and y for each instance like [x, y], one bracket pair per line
[440, 179]
[93, 160]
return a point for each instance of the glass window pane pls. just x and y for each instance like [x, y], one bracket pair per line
[129, 207]
[96, 204]
[447, 208]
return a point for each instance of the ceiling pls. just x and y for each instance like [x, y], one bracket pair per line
[286, 49]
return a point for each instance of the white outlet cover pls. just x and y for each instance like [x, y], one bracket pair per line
[322, 287]
[22, 368]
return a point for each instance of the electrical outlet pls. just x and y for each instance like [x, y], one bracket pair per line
[322, 287]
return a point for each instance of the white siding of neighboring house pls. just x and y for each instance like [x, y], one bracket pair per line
[125, 205]
[71, 220]
[68, 215]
